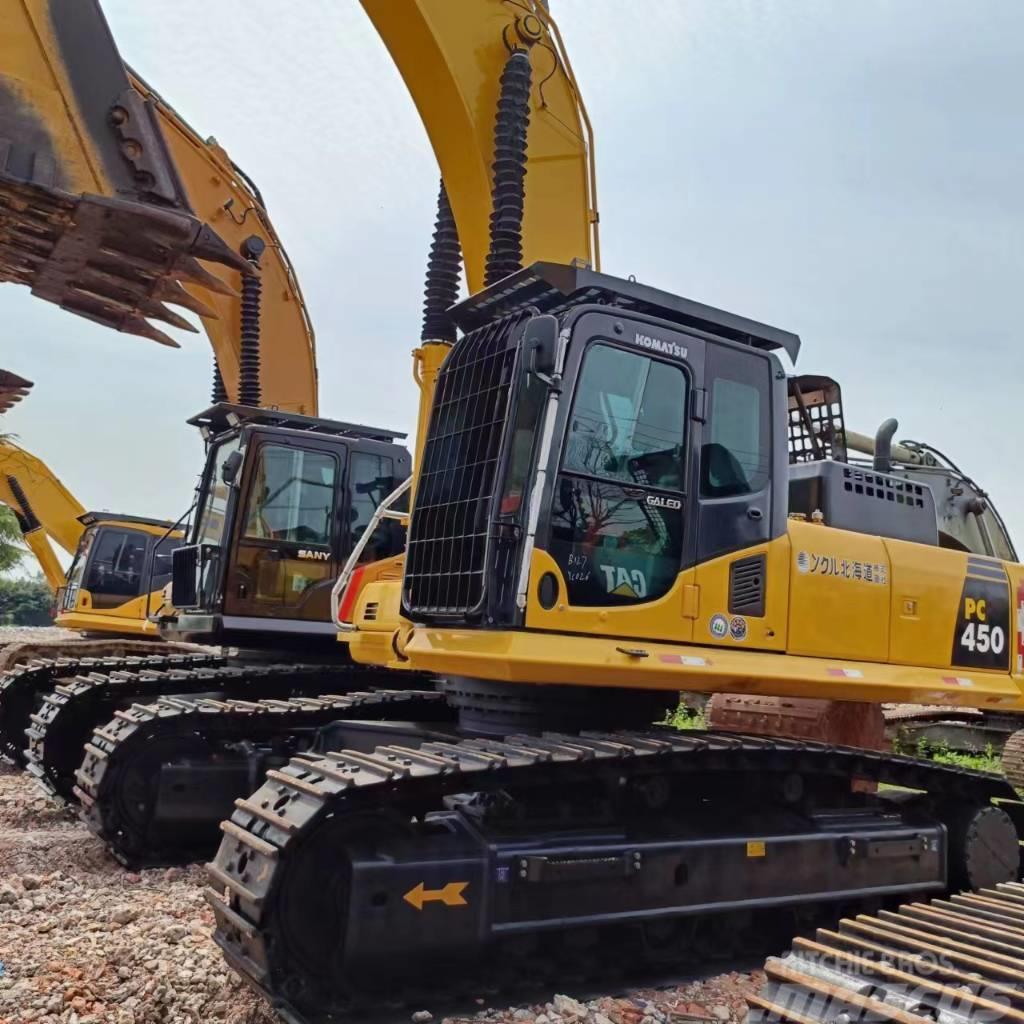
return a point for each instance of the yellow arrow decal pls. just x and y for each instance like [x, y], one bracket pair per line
[450, 895]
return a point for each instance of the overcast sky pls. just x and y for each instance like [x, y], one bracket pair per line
[852, 171]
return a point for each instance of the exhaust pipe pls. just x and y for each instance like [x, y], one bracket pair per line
[883, 445]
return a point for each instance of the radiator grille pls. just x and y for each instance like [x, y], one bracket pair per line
[746, 586]
[449, 536]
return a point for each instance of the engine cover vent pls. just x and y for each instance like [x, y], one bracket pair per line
[746, 586]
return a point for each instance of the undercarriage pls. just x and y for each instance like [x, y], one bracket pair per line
[350, 879]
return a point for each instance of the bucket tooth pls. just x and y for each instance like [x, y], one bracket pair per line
[143, 329]
[190, 269]
[171, 291]
[208, 245]
[158, 311]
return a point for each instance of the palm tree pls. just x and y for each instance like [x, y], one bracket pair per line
[12, 551]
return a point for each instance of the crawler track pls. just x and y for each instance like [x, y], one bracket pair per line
[282, 881]
[67, 716]
[21, 687]
[954, 960]
[118, 783]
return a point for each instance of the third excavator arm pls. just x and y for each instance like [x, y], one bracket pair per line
[119, 563]
[114, 208]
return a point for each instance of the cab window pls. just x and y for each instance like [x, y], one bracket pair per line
[292, 496]
[372, 479]
[116, 564]
[628, 420]
[615, 533]
[736, 457]
[210, 528]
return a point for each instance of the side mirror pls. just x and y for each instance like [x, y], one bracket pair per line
[232, 464]
[540, 344]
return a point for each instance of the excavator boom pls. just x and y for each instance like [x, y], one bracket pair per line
[451, 58]
[112, 207]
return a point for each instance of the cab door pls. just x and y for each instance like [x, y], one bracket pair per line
[285, 555]
[741, 576]
[618, 529]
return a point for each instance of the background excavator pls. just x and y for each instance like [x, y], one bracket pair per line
[120, 563]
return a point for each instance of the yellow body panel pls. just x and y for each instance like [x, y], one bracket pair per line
[129, 619]
[837, 615]
[528, 657]
[451, 57]
[767, 632]
[926, 585]
[34, 72]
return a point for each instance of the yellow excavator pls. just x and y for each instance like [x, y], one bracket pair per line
[606, 511]
[120, 563]
[114, 208]
[620, 495]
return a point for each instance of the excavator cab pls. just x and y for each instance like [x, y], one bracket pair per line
[590, 439]
[281, 503]
[114, 583]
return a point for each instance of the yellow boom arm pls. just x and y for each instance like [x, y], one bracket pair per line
[44, 507]
[114, 208]
[451, 57]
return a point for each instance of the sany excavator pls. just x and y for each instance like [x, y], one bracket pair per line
[617, 501]
[107, 197]
[98, 167]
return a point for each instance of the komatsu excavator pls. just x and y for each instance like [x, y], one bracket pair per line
[616, 501]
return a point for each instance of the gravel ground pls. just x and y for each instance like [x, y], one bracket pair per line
[82, 941]
[24, 634]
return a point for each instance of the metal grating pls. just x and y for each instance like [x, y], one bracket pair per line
[816, 427]
[447, 553]
[746, 586]
[883, 487]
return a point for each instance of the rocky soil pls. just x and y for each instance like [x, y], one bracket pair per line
[82, 941]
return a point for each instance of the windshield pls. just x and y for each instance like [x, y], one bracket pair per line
[210, 525]
[81, 557]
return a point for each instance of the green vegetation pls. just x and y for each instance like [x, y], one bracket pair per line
[25, 602]
[940, 752]
[12, 551]
[686, 718]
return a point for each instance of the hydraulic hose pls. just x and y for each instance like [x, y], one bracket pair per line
[443, 267]
[508, 194]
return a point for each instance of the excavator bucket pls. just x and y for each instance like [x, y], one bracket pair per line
[12, 389]
[93, 216]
